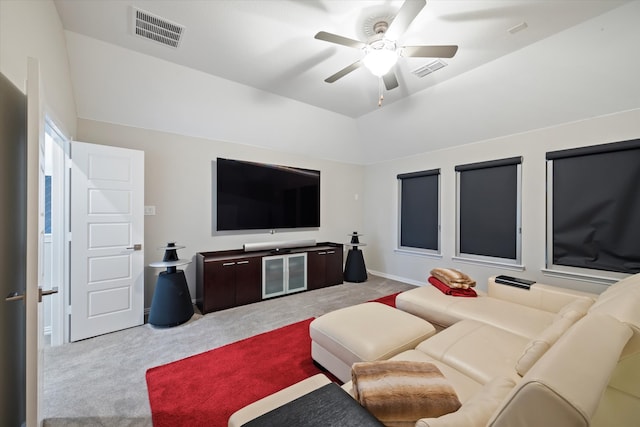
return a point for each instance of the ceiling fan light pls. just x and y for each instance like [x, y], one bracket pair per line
[380, 61]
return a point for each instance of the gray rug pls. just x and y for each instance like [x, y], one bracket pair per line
[101, 381]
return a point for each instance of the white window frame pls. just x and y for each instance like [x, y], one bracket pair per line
[411, 249]
[604, 277]
[508, 263]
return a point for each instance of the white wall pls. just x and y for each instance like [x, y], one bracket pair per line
[577, 88]
[381, 202]
[33, 29]
[178, 182]
[585, 71]
[117, 85]
[546, 96]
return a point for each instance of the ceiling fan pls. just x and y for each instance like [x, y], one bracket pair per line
[381, 50]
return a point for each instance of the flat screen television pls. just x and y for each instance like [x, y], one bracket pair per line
[255, 196]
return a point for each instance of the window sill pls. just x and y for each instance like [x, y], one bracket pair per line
[418, 253]
[580, 276]
[504, 265]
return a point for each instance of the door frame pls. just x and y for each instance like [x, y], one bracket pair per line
[60, 233]
[34, 328]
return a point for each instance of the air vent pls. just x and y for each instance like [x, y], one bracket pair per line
[155, 28]
[429, 68]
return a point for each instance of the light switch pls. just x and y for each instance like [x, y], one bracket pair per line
[149, 210]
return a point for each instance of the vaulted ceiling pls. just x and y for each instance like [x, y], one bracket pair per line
[250, 72]
[270, 45]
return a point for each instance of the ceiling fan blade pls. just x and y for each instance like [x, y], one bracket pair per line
[407, 13]
[445, 51]
[346, 70]
[390, 80]
[334, 38]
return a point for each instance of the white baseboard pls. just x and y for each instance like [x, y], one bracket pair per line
[397, 278]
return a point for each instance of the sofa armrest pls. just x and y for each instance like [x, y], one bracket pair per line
[540, 296]
[476, 411]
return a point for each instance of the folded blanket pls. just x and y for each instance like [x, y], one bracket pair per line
[399, 391]
[453, 278]
[456, 292]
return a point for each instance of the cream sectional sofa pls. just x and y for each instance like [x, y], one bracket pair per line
[539, 357]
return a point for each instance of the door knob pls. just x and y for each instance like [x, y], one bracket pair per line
[17, 296]
[14, 296]
[42, 293]
[136, 247]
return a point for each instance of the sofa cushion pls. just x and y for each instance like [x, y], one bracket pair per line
[402, 391]
[464, 386]
[621, 301]
[620, 287]
[515, 318]
[575, 310]
[476, 349]
[539, 296]
[432, 305]
[476, 411]
[540, 344]
[566, 385]
[364, 333]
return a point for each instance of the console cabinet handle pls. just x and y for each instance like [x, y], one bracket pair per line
[242, 262]
[226, 264]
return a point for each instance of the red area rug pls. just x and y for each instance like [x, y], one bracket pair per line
[389, 299]
[205, 389]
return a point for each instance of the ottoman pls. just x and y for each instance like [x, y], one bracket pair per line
[364, 333]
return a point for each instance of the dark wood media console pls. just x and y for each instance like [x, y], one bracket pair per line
[226, 279]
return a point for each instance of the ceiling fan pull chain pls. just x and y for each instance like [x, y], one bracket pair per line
[381, 95]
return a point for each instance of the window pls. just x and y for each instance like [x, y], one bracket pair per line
[488, 211]
[419, 211]
[594, 208]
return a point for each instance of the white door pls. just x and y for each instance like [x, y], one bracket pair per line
[107, 230]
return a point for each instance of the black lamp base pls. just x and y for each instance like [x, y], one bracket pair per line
[171, 304]
[354, 269]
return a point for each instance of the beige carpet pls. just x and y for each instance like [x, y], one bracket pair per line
[101, 381]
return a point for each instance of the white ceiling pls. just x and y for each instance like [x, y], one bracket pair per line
[270, 45]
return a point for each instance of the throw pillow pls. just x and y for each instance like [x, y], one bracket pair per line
[398, 391]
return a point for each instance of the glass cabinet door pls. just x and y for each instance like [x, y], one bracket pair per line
[282, 274]
[273, 278]
[297, 272]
